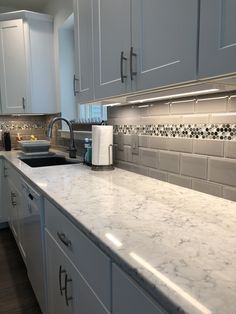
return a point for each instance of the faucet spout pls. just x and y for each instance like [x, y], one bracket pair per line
[72, 148]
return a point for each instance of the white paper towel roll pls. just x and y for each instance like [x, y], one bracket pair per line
[102, 141]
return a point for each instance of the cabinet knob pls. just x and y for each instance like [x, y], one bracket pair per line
[62, 237]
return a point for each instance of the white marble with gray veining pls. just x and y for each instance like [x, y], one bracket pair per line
[174, 241]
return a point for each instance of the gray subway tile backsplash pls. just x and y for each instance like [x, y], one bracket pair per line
[207, 187]
[232, 104]
[208, 147]
[193, 166]
[230, 149]
[171, 119]
[158, 142]
[169, 161]
[134, 168]
[144, 141]
[196, 119]
[181, 145]
[223, 118]
[183, 107]
[187, 142]
[157, 174]
[229, 193]
[222, 170]
[180, 180]
[159, 109]
[211, 104]
[149, 157]
[120, 141]
[127, 139]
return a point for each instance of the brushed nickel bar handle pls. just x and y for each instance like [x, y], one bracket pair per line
[74, 85]
[122, 59]
[61, 271]
[23, 103]
[132, 54]
[66, 292]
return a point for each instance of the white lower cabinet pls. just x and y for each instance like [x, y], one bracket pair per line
[24, 210]
[14, 205]
[91, 262]
[68, 291]
[2, 200]
[31, 231]
[13, 199]
[129, 298]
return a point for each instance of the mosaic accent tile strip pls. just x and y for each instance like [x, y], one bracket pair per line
[198, 131]
[22, 125]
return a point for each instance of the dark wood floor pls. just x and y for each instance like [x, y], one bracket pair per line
[16, 294]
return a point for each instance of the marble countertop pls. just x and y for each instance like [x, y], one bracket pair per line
[179, 244]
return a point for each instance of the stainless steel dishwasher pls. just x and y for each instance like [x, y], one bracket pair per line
[31, 225]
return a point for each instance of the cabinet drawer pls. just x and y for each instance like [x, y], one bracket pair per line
[72, 296]
[91, 262]
[128, 298]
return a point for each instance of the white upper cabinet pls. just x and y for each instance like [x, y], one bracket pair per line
[164, 41]
[26, 63]
[112, 40]
[143, 44]
[83, 79]
[146, 44]
[13, 67]
[217, 45]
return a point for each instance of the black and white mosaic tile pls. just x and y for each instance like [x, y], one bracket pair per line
[197, 131]
[22, 125]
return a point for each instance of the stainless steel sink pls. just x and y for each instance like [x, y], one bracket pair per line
[45, 161]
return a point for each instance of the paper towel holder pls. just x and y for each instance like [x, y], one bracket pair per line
[105, 167]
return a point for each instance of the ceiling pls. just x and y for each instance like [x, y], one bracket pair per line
[33, 5]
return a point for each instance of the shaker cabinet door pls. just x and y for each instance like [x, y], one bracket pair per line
[128, 298]
[164, 41]
[217, 45]
[112, 38]
[12, 67]
[57, 269]
[68, 291]
[83, 80]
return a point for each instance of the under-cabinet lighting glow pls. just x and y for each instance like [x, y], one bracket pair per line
[113, 239]
[224, 114]
[143, 106]
[174, 95]
[170, 284]
[212, 98]
[111, 105]
[28, 114]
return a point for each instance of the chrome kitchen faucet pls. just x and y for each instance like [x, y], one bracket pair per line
[72, 149]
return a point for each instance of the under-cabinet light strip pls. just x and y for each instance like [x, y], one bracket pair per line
[174, 95]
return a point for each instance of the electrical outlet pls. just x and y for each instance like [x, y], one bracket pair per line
[120, 141]
[134, 144]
